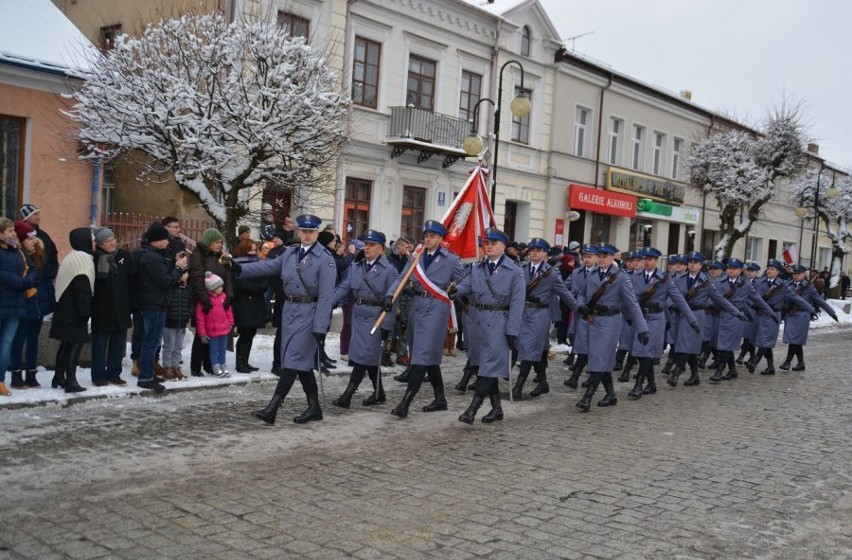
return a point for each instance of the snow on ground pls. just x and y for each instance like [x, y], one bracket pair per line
[261, 356]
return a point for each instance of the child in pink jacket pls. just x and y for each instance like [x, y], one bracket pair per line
[213, 327]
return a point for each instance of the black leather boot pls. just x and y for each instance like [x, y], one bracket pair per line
[628, 367]
[541, 387]
[785, 366]
[693, 370]
[345, 399]
[58, 378]
[71, 385]
[518, 389]
[31, 381]
[610, 398]
[403, 377]
[469, 415]
[461, 386]
[268, 414]
[440, 402]
[799, 367]
[676, 371]
[401, 410]
[586, 402]
[770, 366]
[17, 379]
[572, 381]
[636, 391]
[619, 360]
[667, 368]
[732, 366]
[378, 395]
[717, 377]
[496, 412]
[313, 412]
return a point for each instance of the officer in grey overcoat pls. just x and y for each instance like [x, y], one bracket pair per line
[428, 317]
[655, 293]
[747, 349]
[608, 293]
[741, 293]
[633, 265]
[776, 292]
[367, 282]
[700, 291]
[308, 274]
[579, 328]
[712, 315]
[544, 287]
[496, 288]
[797, 323]
[471, 366]
[676, 266]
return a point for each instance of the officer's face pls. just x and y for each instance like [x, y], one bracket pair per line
[537, 255]
[751, 273]
[431, 240]
[308, 236]
[694, 267]
[715, 272]
[679, 268]
[494, 249]
[798, 276]
[734, 272]
[372, 250]
[771, 272]
[635, 264]
[590, 260]
[650, 263]
[604, 261]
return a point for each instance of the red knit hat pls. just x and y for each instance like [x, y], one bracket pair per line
[24, 230]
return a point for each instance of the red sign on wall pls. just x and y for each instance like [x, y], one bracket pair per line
[601, 201]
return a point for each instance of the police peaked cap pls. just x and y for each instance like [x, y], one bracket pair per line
[735, 263]
[651, 253]
[677, 259]
[753, 266]
[589, 249]
[434, 226]
[775, 263]
[715, 264]
[694, 256]
[607, 249]
[799, 269]
[373, 236]
[308, 222]
[494, 234]
[538, 243]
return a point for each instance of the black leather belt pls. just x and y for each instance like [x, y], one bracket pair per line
[695, 307]
[368, 302]
[424, 293]
[537, 305]
[487, 307]
[605, 311]
[300, 299]
[653, 308]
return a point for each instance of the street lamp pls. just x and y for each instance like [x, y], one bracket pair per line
[520, 107]
[802, 212]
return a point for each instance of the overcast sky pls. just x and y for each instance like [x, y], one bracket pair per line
[738, 57]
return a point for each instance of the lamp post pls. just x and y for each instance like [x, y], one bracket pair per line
[802, 212]
[520, 107]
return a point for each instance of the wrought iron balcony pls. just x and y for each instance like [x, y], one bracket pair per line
[427, 132]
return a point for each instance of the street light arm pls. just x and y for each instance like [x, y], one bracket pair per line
[474, 122]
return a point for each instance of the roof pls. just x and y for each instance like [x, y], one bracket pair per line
[36, 34]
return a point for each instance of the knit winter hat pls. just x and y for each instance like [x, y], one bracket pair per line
[211, 281]
[156, 232]
[24, 230]
[28, 210]
[325, 237]
[102, 235]
[242, 229]
[211, 236]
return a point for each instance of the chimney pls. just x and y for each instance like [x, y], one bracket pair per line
[813, 148]
[686, 94]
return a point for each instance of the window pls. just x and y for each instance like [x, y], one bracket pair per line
[526, 41]
[471, 88]
[659, 152]
[293, 25]
[11, 163]
[108, 35]
[580, 123]
[823, 257]
[421, 82]
[754, 249]
[510, 220]
[638, 137]
[413, 212]
[356, 207]
[365, 72]
[615, 128]
[677, 146]
[521, 125]
[108, 190]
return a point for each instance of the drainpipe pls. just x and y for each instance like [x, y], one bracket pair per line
[96, 189]
[600, 128]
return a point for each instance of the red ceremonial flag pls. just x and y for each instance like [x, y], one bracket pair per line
[468, 216]
[791, 254]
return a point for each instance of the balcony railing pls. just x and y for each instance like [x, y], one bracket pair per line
[430, 133]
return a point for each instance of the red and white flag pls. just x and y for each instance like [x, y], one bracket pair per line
[791, 254]
[468, 216]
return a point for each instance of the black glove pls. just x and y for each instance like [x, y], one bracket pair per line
[235, 267]
[206, 307]
[643, 338]
[227, 303]
[387, 305]
[512, 341]
[385, 335]
[320, 338]
[695, 326]
[409, 291]
[584, 310]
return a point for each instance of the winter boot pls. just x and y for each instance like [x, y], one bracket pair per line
[541, 387]
[610, 398]
[636, 392]
[619, 360]
[31, 381]
[313, 412]
[496, 412]
[4, 392]
[717, 377]
[676, 371]
[667, 368]
[693, 371]
[770, 366]
[799, 367]
[71, 385]
[586, 402]
[345, 399]
[134, 371]
[18, 380]
[518, 389]
[268, 414]
[440, 402]
[784, 366]
[469, 415]
[461, 386]
[632, 361]
[401, 410]
[403, 377]
[572, 381]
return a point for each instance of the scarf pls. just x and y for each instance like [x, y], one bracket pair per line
[74, 264]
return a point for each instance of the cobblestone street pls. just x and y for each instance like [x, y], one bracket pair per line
[757, 467]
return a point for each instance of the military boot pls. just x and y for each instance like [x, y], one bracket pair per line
[631, 363]
[667, 368]
[440, 402]
[401, 410]
[541, 387]
[572, 381]
[378, 395]
[717, 376]
[496, 412]
[619, 360]
[770, 366]
[268, 414]
[469, 415]
[784, 366]
[610, 398]
[403, 377]
[461, 386]
[732, 367]
[344, 400]
[313, 412]
[636, 391]
[799, 367]
[518, 389]
[676, 371]
[693, 377]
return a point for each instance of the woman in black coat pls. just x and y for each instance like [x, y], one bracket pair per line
[75, 283]
[110, 309]
[249, 306]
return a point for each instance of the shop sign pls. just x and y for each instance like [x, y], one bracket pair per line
[601, 201]
[645, 186]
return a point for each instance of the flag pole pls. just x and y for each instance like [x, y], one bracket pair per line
[402, 284]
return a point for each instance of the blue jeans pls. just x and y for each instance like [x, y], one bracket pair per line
[218, 347]
[8, 328]
[155, 323]
[26, 335]
[108, 348]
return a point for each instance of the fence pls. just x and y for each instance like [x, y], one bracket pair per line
[129, 227]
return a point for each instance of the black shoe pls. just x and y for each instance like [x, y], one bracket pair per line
[799, 367]
[196, 374]
[716, 377]
[100, 383]
[469, 415]
[149, 384]
[624, 377]
[117, 381]
[649, 390]
[768, 371]
[313, 412]
[242, 368]
[635, 393]
[540, 389]
[730, 375]
[374, 399]
[676, 371]
[692, 381]
[609, 400]
[750, 365]
[403, 377]
[785, 366]
[740, 359]
[572, 381]
[585, 403]
[401, 410]
[493, 415]
[268, 414]
[436, 405]
[251, 367]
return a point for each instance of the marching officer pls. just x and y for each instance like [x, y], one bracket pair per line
[543, 285]
[633, 265]
[747, 349]
[367, 282]
[495, 287]
[654, 292]
[579, 328]
[780, 297]
[308, 274]
[698, 289]
[429, 314]
[796, 324]
[608, 292]
[712, 315]
[742, 295]
[675, 267]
